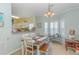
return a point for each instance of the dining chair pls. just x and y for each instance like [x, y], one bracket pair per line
[29, 47]
[44, 49]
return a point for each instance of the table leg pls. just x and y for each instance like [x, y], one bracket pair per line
[22, 43]
[37, 52]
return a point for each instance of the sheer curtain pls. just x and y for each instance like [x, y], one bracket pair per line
[62, 28]
[46, 28]
[54, 28]
[51, 28]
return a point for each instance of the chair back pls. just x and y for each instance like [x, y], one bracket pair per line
[28, 43]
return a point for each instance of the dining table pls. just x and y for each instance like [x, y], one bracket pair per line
[39, 41]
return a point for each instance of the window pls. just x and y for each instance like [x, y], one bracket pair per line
[62, 27]
[55, 27]
[46, 27]
[51, 28]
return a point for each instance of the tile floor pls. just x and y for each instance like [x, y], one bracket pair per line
[55, 49]
[59, 49]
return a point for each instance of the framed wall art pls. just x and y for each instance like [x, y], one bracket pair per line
[1, 20]
[23, 25]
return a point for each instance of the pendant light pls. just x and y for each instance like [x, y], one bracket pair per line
[50, 12]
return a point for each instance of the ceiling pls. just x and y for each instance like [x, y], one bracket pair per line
[38, 9]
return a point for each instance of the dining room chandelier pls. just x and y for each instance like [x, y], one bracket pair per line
[50, 12]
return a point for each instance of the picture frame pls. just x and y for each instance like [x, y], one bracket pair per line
[1, 20]
[23, 25]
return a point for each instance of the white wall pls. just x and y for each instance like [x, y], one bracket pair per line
[71, 19]
[5, 31]
[8, 41]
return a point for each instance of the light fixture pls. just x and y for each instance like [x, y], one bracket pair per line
[16, 17]
[50, 12]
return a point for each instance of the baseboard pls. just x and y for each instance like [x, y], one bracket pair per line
[14, 51]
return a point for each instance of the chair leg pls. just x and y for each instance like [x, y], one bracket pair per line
[22, 47]
[66, 49]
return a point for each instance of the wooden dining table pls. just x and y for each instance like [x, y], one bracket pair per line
[38, 43]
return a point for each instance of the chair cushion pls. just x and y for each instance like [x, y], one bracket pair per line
[44, 47]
